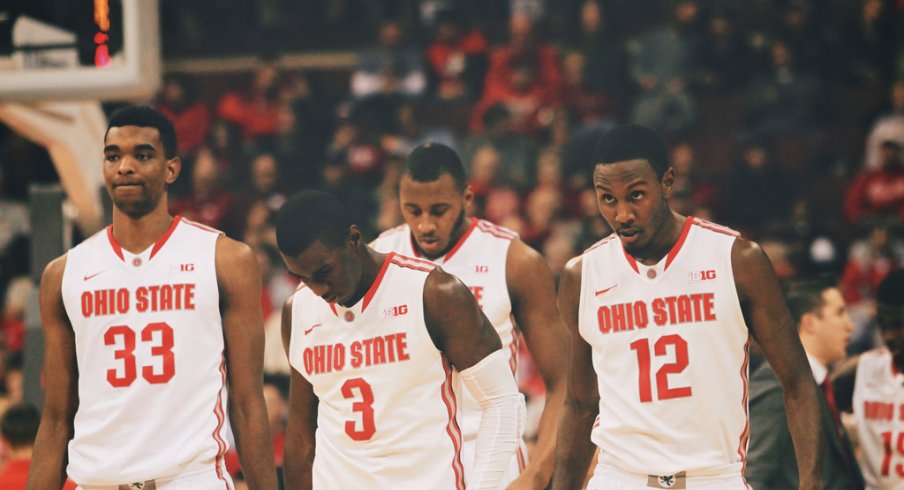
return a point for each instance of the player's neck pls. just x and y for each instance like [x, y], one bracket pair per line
[371, 263]
[137, 234]
[663, 242]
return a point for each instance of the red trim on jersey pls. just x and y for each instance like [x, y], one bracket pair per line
[677, 246]
[369, 295]
[461, 240]
[162, 240]
[522, 460]
[452, 425]
[601, 242]
[631, 261]
[496, 230]
[716, 227]
[201, 226]
[113, 243]
[333, 307]
[411, 263]
[513, 348]
[745, 434]
[221, 418]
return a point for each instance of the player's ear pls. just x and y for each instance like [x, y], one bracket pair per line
[667, 181]
[806, 322]
[468, 197]
[354, 237]
[173, 169]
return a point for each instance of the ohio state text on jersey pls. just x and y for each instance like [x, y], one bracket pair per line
[386, 413]
[670, 353]
[150, 350]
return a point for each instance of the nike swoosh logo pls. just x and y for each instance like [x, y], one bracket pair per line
[312, 328]
[88, 277]
[601, 291]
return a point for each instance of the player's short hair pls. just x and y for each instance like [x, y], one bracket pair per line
[311, 216]
[632, 142]
[19, 425]
[428, 162]
[805, 296]
[891, 289]
[146, 117]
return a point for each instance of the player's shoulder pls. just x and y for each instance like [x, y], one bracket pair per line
[53, 271]
[234, 259]
[712, 228]
[495, 231]
[609, 240]
[195, 227]
[405, 262]
[394, 232]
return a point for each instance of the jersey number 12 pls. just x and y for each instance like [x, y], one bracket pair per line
[663, 391]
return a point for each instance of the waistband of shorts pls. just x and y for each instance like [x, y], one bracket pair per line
[731, 473]
[186, 475]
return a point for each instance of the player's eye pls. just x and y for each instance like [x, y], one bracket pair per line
[111, 157]
[607, 198]
[143, 156]
[636, 195]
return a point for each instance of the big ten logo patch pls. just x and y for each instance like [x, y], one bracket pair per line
[182, 268]
[481, 269]
[395, 311]
[706, 275]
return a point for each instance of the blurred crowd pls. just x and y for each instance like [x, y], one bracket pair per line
[785, 121]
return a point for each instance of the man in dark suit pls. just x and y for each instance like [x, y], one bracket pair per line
[825, 328]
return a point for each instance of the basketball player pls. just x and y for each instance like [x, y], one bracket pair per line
[147, 326]
[872, 387]
[511, 281]
[659, 312]
[372, 339]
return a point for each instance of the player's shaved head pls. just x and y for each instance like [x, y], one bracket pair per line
[308, 217]
[428, 162]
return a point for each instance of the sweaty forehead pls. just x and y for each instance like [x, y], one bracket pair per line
[623, 172]
[126, 136]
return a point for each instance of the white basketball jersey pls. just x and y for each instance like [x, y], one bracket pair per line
[879, 411]
[386, 413]
[149, 346]
[478, 259]
[670, 353]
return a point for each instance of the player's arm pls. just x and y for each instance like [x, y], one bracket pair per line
[461, 331]
[533, 296]
[774, 330]
[48, 466]
[302, 420]
[843, 384]
[574, 449]
[239, 280]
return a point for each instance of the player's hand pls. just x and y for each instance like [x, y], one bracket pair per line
[527, 481]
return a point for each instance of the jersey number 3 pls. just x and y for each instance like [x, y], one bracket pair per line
[164, 350]
[663, 391]
[365, 407]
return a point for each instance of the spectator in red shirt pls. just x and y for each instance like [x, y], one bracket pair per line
[190, 117]
[457, 59]
[207, 202]
[18, 428]
[256, 110]
[878, 192]
[525, 77]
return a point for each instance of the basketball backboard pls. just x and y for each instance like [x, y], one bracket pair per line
[79, 49]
